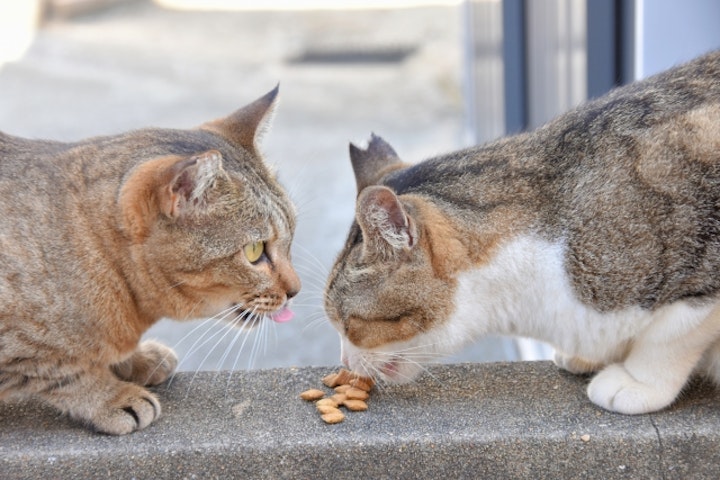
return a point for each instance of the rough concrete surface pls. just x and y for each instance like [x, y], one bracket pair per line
[504, 420]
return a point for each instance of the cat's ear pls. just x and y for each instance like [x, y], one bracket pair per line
[372, 163]
[172, 186]
[247, 126]
[188, 185]
[384, 221]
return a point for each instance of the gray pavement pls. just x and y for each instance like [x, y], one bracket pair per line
[500, 421]
[342, 74]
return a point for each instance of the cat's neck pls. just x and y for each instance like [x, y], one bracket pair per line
[493, 190]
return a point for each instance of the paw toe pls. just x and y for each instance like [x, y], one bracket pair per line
[132, 411]
[616, 390]
[151, 364]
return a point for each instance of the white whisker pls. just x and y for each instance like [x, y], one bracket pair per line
[239, 330]
[316, 261]
[227, 328]
[316, 321]
[175, 285]
[256, 342]
[219, 319]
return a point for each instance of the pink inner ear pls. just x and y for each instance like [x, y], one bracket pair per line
[396, 215]
[184, 183]
[170, 206]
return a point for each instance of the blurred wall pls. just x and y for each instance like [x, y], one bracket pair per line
[672, 32]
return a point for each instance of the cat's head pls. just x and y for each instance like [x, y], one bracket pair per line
[390, 292]
[209, 225]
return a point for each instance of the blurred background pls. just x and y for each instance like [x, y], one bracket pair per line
[429, 76]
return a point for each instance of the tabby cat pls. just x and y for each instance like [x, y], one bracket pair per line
[101, 238]
[598, 233]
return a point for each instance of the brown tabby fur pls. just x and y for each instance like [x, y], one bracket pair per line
[626, 187]
[101, 238]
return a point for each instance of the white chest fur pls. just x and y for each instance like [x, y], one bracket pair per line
[525, 291]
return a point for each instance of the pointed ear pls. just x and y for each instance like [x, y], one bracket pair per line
[189, 182]
[384, 221]
[247, 126]
[172, 186]
[372, 163]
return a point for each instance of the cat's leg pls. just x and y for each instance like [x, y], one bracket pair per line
[709, 366]
[659, 362]
[150, 364]
[576, 365]
[100, 400]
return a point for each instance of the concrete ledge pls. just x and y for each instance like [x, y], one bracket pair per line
[507, 420]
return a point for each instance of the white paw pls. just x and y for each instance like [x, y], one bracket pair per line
[616, 390]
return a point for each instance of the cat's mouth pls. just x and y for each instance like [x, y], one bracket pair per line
[280, 315]
[390, 369]
[283, 315]
[399, 371]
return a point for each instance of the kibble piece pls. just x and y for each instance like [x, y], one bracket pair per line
[323, 409]
[363, 383]
[331, 380]
[344, 376]
[327, 401]
[351, 391]
[339, 398]
[312, 394]
[355, 405]
[342, 388]
[356, 394]
[335, 417]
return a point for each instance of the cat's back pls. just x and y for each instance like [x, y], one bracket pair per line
[36, 183]
[17, 152]
[684, 99]
[629, 183]
[638, 201]
[31, 170]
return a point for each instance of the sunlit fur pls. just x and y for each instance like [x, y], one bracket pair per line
[103, 237]
[598, 233]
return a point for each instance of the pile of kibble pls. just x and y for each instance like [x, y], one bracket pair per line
[350, 391]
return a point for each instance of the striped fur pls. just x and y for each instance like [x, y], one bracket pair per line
[101, 238]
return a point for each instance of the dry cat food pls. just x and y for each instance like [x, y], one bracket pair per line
[350, 390]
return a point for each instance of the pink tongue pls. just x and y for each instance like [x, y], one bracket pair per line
[284, 315]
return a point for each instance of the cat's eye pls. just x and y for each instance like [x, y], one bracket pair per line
[253, 251]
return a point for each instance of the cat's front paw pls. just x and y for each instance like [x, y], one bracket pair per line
[616, 390]
[133, 408]
[151, 364]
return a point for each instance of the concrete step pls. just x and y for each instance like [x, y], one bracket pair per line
[499, 420]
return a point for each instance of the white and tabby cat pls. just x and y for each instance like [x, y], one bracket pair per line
[598, 233]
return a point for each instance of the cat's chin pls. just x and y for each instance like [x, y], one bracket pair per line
[398, 373]
[370, 364]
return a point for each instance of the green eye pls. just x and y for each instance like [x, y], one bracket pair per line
[253, 251]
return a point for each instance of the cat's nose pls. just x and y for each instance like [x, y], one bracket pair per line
[292, 284]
